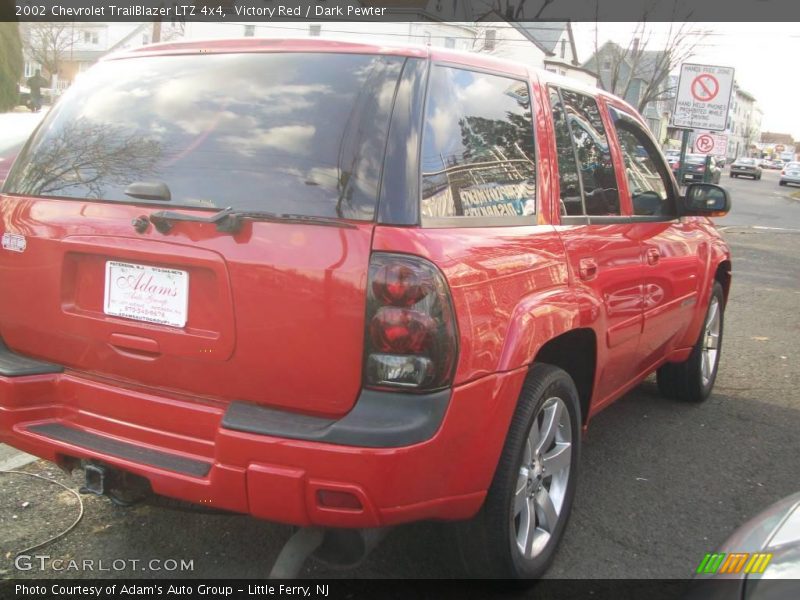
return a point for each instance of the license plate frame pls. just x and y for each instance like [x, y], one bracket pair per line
[146, 293]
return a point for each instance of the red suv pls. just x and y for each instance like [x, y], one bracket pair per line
[348, 286]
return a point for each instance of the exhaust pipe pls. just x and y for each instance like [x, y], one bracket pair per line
[347, 548]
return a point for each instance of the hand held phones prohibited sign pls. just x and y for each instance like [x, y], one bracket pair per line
[703, 97]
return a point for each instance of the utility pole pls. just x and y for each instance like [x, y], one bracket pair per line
[156, 37]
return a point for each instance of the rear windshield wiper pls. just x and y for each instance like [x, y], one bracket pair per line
[229, 220]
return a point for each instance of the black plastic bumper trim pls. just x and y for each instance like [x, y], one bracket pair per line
[16, 365]
[378, 420]
[125, 450]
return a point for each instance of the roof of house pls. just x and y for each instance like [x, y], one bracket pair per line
[646, 64]
[546, 33]
[771, 137]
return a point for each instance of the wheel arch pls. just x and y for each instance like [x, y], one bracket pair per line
[574, 351]
[723, 275]
[556, 327]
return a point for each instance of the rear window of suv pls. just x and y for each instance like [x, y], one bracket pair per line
[287, 133]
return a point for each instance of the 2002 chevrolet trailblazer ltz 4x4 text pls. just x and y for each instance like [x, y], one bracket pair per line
[347, 286]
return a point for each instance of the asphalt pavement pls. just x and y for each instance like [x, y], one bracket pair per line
[660, 483]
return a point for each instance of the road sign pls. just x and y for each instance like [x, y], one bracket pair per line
[705, 87]
[704, 143]
[704, 93]
[711, 143]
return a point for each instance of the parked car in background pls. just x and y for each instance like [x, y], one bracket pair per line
[747, 167]
[759, 561]
[790, 174]
[768, 164]
[694, 169]
[364, 286]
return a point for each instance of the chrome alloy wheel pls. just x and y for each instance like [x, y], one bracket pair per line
[543, 476]
[710, 341]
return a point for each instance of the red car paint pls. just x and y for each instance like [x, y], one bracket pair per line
[276, 319]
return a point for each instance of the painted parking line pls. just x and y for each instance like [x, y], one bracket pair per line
[764, 227]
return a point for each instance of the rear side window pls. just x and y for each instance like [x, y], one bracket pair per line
[580, 115]
[280, 132]
[478, 157]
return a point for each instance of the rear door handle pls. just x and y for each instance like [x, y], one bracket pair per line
[587, 268]
[653, 256]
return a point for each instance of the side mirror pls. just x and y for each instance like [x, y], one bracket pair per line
[706, 200]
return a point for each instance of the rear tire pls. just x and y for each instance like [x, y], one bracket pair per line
[693, 379]
[517, 531]
[781, 183]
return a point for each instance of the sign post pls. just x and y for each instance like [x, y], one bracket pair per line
[704, 94]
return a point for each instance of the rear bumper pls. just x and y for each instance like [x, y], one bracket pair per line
[182, 447]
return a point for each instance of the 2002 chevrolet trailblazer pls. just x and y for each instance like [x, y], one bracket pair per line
[348, 286]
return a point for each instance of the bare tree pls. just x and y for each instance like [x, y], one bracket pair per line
[636, 61]
[49, 43]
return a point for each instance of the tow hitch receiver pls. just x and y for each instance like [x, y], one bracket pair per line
[96, 479]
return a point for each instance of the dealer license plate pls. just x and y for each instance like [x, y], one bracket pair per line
[146, 293]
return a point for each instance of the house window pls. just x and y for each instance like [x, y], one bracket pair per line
[91, 37]
[314, 30]
[449, 42]
[30, 69]
[249, 30]
[491, 38]
[606, 65]
[144, 39]
[563, 48]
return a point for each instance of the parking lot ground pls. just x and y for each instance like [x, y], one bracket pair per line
[661, 483]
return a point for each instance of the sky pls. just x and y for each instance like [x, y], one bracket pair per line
[764, 55]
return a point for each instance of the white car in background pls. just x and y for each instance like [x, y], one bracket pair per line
[790, 174]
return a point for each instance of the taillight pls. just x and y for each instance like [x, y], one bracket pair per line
[783, 172]
[701, 169]
[410, 329]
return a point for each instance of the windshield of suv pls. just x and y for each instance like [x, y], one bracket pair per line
[696, 159]
[287, 133]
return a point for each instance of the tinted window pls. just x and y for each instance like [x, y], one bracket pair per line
[294, 133]
[647, 174]
[477, 147]
[600, 194]
[570, 189]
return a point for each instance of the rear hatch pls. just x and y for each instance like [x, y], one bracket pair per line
[264, 308]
